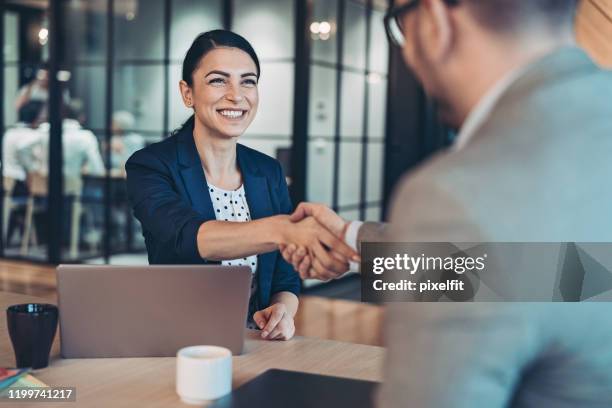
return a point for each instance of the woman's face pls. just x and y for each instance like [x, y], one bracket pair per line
[224, 92]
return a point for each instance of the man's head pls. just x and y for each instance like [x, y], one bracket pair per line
[122, 122]
[30, 112]
[459, 48]
[73, 110]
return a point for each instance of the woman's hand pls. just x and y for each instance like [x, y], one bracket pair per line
[328, 254]
[275, 322]
[302, 258]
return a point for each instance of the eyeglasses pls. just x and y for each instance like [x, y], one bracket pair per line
[394, 17]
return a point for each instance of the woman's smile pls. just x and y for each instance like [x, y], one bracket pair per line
[233, 115]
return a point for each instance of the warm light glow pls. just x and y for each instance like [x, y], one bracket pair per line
[315, 27]
[324, 36]
[43, 36]
[324, 27]
[63, 76]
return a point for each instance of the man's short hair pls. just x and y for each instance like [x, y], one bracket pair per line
[508, 15]
[29, 112]
[124, 120]
[72, 109]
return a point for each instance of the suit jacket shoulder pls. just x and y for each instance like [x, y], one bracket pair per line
[525, 173]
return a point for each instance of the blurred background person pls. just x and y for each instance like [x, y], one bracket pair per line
[22, 134]
[81, 157]
[81, 150]
[37, 90]
[124, 142]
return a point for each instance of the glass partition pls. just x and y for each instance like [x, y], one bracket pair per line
[119, 64]
[348, 91]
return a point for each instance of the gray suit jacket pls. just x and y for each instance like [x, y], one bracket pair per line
[539, 169]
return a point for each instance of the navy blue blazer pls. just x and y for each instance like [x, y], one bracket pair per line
[167, 190]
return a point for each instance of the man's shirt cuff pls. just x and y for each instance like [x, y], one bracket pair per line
[352, 232]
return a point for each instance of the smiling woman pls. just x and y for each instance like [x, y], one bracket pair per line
[202, 197]
[221, 86]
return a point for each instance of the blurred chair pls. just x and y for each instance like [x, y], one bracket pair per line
[39, 188]
[11, 202]
[8, 205]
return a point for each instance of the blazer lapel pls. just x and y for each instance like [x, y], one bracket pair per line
[257, 193]
[193, 174]
[255, 186]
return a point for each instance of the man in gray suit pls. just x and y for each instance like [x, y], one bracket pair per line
[532, 162]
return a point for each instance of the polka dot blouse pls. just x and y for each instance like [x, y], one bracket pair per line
[232, 206]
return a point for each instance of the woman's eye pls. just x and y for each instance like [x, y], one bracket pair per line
[217, 81]
[249, 82]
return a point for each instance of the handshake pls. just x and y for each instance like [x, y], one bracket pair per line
[314, 243]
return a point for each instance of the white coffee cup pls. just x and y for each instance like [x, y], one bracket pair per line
[203, 373]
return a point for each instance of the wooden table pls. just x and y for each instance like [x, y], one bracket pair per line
[135, 382]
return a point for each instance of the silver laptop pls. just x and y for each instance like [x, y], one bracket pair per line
[150, 311]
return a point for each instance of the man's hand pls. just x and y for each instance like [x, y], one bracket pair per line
[325, 215]
[275, 322]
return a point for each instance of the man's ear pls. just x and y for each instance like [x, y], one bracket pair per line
[186, 93]
[441, 27]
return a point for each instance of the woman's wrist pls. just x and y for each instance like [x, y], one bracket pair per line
[277, 229]
[289, 300]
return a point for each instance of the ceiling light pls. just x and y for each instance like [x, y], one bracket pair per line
[43, 36]
[324, 27]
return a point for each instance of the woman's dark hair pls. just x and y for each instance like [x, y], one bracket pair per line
[206, 42]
